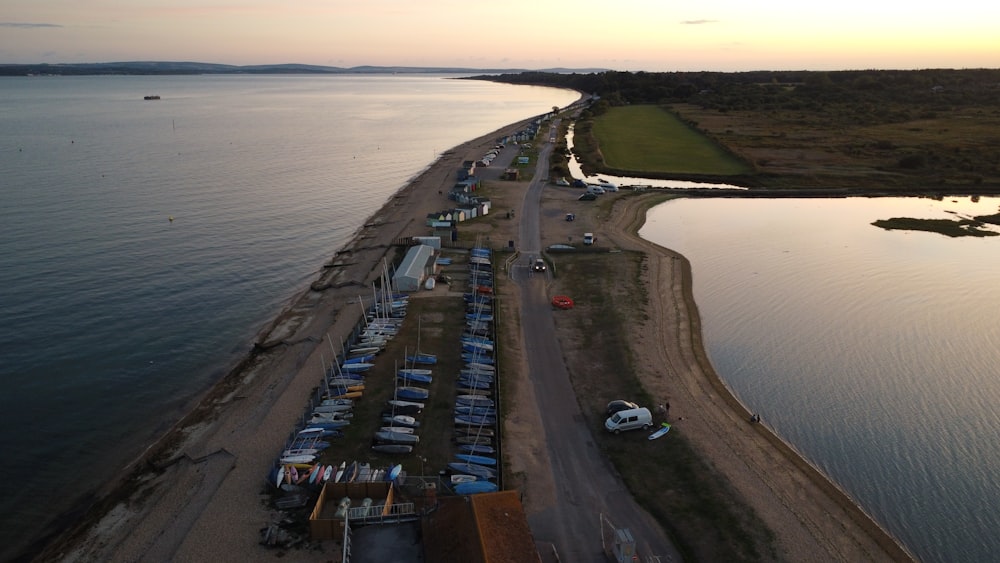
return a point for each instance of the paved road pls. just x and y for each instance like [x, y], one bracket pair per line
[587, 484]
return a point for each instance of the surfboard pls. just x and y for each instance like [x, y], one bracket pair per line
[659, 433]
[340, 472]
[327, 473]
[280, 476]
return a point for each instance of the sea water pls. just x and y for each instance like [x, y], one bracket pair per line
[872, 352]
[143, 244]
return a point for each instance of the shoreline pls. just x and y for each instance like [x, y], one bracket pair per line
[181, 498]
[230, 434]
[627, 217]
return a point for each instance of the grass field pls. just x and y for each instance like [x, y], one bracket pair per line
[646, 137]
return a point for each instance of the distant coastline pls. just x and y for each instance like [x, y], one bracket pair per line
[168, 68]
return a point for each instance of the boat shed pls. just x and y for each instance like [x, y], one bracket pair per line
[416, 266]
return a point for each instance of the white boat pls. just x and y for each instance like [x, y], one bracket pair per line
[401, 420]
[332, 408]
[399, 429]
[343, 402]
[396, 438]
[398, 403]
[414, 371]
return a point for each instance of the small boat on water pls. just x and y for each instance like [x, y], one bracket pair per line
[151, 97]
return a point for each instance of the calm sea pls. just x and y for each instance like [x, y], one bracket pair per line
[874, 352]
[115, 316]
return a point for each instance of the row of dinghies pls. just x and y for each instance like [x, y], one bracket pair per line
[475, 467]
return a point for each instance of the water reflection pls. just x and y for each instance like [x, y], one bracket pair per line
[872, 351]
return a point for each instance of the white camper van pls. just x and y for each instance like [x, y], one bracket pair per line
[629, 419]
[588, 238]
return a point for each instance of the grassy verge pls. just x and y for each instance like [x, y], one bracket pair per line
[688, 497]
[646, 137]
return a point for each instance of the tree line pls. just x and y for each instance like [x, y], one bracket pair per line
[781, 90]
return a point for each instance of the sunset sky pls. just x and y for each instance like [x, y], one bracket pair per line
[651, 35]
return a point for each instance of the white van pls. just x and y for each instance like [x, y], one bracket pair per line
[594, 189]
[629, 419]
[588, 238]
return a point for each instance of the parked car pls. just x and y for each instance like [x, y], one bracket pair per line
[629, 419]
[571, 217]
[589, 239]
[587, 197]
[539, 265]
[579, 183]
[619, 405]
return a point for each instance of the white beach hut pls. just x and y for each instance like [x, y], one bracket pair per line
[416, 266]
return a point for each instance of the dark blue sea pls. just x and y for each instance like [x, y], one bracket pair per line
[143, 244]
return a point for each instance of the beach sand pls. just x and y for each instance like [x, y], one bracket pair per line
[198, 494]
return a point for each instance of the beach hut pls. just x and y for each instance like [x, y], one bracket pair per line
[416, 266]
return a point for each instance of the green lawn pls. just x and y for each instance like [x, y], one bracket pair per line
[648, 138]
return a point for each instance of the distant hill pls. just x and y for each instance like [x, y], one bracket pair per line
[181, 68]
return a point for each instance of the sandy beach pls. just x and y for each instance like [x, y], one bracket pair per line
[196, 495]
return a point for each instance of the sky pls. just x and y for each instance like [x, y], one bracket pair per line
[626, 35]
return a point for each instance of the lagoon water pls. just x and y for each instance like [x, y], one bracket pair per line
[116, 317]
[873, 352]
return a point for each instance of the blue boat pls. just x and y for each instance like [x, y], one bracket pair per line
[329, 424]
[410, 393]
[360, 359]
[477, 358]
[474, 400]
[477, 448]
[477, 459]
[474, 420]
[480, 471]
[481, 411]
[473, 384]
[414, 377]
[474, 487]
[424, 359]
